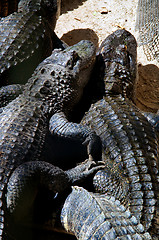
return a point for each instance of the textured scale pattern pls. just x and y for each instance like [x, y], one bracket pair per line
[22, 34]
[24, 122]
[95, 216]
[147, 24]
[25, 181]
[8, 93]
[129, 141]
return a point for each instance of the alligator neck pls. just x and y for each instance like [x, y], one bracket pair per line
[117, 80]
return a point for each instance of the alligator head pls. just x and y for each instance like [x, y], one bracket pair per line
[118, 54]
[64, 75]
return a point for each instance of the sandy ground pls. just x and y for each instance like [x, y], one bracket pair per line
[95, 20]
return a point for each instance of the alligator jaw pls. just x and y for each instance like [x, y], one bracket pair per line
[86, 52]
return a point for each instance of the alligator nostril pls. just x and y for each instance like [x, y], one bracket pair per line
[53, 73]
[44, 90]
[42, 70]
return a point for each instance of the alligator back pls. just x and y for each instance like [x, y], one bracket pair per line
[24, 36]
[22, 128]
[128, 141]
[57, 84]
[130, 149]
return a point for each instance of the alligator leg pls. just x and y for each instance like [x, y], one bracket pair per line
[60, 126]
[31, 177]
[9, 93]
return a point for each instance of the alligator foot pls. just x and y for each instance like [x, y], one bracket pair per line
[61, 127]
[84, 170]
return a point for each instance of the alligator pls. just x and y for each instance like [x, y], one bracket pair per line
[7, 7]
[26, 38]
[129, 140]
[56, 85]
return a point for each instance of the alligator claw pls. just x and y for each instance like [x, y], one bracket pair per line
[88, 164]
[94, 167]
[84, 170]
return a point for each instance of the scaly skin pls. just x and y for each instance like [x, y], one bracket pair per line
[26, 38]
[57, 84]
[98, 216]
[129, 141]
[29, 179]
[9, 93]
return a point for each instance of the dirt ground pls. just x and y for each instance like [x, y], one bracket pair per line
[95, 20]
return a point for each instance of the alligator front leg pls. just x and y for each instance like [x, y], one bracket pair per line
[9, 93]
[31, 177]
[60, 126]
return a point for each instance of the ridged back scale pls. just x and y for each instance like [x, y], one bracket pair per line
[24, 36]
[130, 147]
[57, 84]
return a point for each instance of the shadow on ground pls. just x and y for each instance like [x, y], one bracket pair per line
[69, 5]
[77, 35]
[148, 88]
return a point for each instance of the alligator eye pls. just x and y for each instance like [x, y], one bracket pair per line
[106, 49]
[75, 56]
[122, 48]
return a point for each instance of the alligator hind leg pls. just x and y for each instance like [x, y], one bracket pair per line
[9, 93]
[60, 126]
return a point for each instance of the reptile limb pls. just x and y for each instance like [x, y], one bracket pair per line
[59, 125]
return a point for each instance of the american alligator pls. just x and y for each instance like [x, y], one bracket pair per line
[26, 38]
[56, 85]
[7, 7]
[129, 141]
